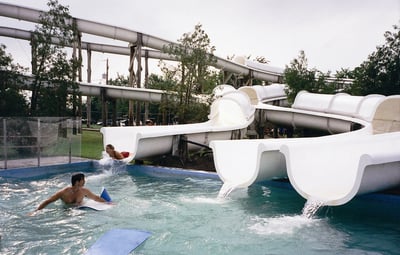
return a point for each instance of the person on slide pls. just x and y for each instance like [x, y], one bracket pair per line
[113, 153]
[72, 195]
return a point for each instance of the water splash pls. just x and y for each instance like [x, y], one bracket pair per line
[227, 189]
[280, 225]
[311, 207]
[110, 166]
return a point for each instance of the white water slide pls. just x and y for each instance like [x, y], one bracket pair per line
[330, 169]
[230, 115]
[266, 73]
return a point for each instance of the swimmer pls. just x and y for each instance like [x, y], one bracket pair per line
[72, 195]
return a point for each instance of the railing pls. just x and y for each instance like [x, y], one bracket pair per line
[38, 138]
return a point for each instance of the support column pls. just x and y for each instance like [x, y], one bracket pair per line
[138, 75]
[132, 81]
[80, 80]
[146, 81]
[89, 80]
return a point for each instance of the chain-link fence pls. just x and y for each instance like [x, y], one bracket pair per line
[39, 138]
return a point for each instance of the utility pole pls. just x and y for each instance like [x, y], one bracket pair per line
[104, 99]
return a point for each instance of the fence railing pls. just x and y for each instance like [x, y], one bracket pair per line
[36, 138]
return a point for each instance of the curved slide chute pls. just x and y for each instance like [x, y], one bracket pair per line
[331, 169]
[230, 114]
[334, 171]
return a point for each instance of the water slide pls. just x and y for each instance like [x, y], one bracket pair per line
[132, 37]
[362, 155]
[273, 158]
[230, 114]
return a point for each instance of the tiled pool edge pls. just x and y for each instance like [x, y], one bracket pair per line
[38, 172]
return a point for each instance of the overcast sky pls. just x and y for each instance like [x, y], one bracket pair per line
[334, 34]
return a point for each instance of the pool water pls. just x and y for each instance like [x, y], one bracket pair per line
[185, 216]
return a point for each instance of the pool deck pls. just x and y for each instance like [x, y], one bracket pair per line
[45, 161]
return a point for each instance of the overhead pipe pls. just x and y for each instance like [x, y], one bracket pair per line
[121, 50]
[98, 47]
[117, 33]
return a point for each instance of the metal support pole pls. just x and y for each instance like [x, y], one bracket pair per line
[89, 80]
[104, 108]
[132, 81]
[146, 81]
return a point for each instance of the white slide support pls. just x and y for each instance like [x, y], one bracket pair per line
[331, 169]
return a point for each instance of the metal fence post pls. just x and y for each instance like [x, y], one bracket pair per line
[38, 142]
[70, 150]
[5, 142]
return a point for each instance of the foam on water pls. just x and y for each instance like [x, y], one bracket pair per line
[282, 225]
[204, 200]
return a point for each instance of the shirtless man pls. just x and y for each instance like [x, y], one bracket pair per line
[72, 195]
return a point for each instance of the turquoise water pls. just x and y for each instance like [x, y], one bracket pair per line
[185, 216]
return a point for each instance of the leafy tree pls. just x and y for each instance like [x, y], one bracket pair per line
[262, 60]
[298, 77]
[12, 100]
[168, 105]
[54, 73]
[122, 105]
[193, 74]
[380, 73]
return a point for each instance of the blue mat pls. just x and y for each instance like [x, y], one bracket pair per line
[118, 242]
[104, 194]
[97, 206]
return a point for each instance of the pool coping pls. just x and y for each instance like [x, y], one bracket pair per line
[41, 171]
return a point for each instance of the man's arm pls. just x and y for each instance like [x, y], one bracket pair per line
[51, 199]
[92, 196]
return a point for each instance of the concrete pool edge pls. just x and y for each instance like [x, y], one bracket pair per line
[38, 172]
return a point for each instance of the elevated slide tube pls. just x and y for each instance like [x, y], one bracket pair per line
[130, 36]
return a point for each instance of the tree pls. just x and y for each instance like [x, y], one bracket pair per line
[167, 107]
[298, 77]
[12, 100]
[262, 60]
[54, 73]
[380, 73]
[193, 74]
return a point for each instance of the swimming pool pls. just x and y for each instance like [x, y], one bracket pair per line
[184, 215]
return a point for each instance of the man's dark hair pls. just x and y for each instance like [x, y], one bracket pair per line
[76, 178]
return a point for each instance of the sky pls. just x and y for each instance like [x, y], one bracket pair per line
[334, 34]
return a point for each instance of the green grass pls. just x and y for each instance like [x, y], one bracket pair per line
[92, 144]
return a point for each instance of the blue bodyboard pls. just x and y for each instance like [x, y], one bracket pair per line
[97, 206]
[104, 194]
[118, 242]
